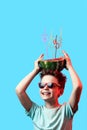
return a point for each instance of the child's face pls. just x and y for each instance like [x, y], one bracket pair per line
[47, 93]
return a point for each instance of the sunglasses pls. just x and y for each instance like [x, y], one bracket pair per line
[50, 85]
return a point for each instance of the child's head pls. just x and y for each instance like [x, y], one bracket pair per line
[58, 75]
[52, 84]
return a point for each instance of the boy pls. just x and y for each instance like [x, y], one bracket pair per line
[52, 116]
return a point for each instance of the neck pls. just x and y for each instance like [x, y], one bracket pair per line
[51, 104]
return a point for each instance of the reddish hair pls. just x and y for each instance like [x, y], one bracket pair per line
[58, 75]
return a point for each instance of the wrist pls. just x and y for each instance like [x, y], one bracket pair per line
[70, 67]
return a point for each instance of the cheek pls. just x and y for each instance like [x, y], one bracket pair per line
[55, 92]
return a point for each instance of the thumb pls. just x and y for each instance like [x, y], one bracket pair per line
[41, 56]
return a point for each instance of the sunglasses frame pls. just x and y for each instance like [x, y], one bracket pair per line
[50, 85]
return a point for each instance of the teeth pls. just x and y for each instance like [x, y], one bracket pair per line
[46, 93]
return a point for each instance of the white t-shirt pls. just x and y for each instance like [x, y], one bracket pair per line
[59, 118]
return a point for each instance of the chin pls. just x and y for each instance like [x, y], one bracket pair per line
[46, 98]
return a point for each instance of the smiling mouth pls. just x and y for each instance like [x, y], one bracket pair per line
[46, 93]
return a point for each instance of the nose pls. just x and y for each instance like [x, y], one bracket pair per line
[46, 87]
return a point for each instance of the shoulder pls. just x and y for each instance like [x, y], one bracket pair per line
[34, 110]
[67, 110]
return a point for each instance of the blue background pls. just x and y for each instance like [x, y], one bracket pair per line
[22, 25]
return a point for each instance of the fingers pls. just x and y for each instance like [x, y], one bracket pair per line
[68, 60]
[41, 56]
[37, 67]
[65, 54]
[39, 59]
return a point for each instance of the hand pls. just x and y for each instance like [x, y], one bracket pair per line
[37, 61]
[68, 60]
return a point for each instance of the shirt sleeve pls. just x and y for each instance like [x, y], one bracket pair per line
[68, 111]
[31, 112]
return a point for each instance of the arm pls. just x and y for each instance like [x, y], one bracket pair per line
[23, 85]
[76, 82]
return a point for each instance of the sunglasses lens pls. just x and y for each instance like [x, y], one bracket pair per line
[41, 85]
[50, 85]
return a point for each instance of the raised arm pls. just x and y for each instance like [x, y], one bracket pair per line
[76, 82]
[23, 85]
